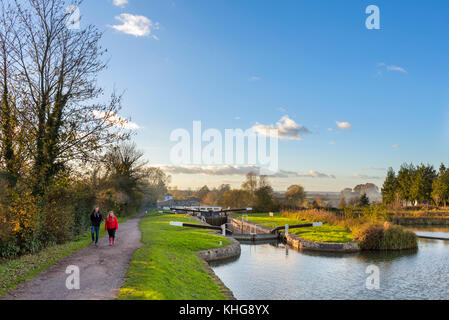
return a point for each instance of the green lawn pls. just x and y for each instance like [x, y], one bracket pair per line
[15, 271]
[166, 267]
[325, 233]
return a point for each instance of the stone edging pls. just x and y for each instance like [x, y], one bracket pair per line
[300, 243]
[216, 254]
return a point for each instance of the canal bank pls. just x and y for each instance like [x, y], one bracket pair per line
[171, 263]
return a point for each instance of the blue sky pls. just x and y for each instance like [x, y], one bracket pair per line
[232, 64]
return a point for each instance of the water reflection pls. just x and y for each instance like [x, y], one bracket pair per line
[275, 271]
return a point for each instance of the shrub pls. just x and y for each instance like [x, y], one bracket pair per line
[384, 237]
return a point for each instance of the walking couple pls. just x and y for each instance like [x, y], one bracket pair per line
[111, 225]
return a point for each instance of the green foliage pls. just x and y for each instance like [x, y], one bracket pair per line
[440, 187]
[375, 212]
[235, 199]
[363, 201]
[417, 185]
[295, 196]
[264, 200]
[349, 212]
[421, 184]
[390, 187]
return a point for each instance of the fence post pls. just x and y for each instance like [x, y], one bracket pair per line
[223, 228]
[286, 229]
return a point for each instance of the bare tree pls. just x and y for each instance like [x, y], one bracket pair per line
[55, 72]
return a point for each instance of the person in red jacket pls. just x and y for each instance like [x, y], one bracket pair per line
[111, 226]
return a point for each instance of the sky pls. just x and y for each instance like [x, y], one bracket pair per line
[349, 102]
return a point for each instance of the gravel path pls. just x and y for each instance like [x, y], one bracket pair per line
[102, 270]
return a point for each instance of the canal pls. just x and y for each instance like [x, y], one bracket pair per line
[275, 272]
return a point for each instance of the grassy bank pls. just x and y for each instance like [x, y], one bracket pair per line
[372, 230]
[166, 267]
[326, 233]
[15, 271]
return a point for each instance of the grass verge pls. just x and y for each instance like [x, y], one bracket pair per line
[326, 233]
[15, 271]
[372, 231]
[166, 267]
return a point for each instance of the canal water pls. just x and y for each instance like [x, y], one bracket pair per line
[274, 271]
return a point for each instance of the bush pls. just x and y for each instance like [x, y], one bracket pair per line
[385, 237]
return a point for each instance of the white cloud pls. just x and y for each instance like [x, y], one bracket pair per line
[332, 142]
[381, 67]
[395, 146]
[120, 3]
[228, 170]
[139, 26]
[254, 78]
[366, 177]
[211, 170]
[316, 174]
[396, 68]
[343, 125]
[115, 120]
[283, 110]
[237, 118]
[375, 169]
[310, 174]
[287, 129]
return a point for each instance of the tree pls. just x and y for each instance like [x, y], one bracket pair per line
[54, 74]
[264, 199]
[390, 187]
[342, 203]
[235, 199]
[317, 202]
[295, 196]
[250, 183]
[404, 180]
[155, 186]
[263, 181]
[8, 111]
[202, 192]
[126, 173]
[440, 187]
[421, 184]
[364, 201]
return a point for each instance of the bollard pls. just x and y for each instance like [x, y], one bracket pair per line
[223, 227]
[286, 229]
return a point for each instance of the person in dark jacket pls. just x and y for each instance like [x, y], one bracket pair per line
[95, 218]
